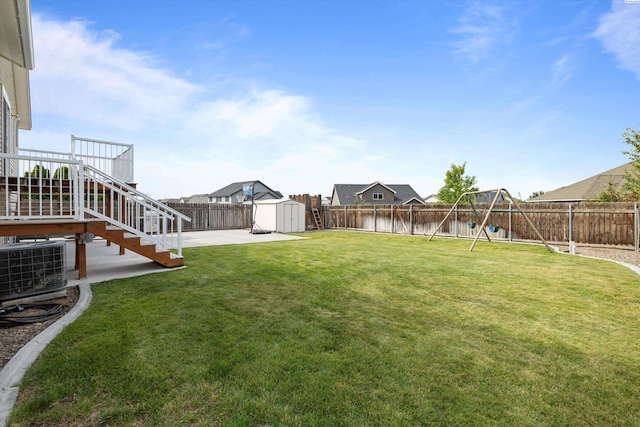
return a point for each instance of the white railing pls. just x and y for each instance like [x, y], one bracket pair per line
[120, 204]
[44, 154]
[112, 158]
[43, 188]
[54, 187]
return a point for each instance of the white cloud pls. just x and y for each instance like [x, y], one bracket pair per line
[482, 27]
[619, 33]
[185, 143]
[226, 31]
[562, 70]
[83, 76]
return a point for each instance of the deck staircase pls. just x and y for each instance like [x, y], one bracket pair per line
[135, 244]
[87, 190]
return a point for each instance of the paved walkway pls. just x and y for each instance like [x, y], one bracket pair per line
[105, 263]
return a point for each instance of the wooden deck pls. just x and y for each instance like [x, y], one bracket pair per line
[80, 228]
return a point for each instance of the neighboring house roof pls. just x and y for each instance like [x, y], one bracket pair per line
[431, 198]
[236, 187]
[167, 201]
[195, 198]
[587, 189]
[403, 193]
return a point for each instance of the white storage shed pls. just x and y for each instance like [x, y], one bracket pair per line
[283, 216]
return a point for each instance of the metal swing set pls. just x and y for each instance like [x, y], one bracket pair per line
[500, 194]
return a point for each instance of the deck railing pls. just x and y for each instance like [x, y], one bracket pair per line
[113, 158]
[50, 186]
[120, 204]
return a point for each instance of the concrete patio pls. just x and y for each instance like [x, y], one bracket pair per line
[105, 263]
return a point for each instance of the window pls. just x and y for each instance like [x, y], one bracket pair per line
[378, 196]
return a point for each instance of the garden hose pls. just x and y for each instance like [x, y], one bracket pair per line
[8, 316]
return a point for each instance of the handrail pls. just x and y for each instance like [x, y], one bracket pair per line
[134, 206]
[47, 154]
[138, 193]
[86, 191]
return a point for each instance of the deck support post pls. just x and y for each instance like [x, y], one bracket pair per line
[81, 255]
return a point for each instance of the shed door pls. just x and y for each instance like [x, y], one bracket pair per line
[287, 218]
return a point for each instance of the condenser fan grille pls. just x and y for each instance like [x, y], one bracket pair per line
[31, 268]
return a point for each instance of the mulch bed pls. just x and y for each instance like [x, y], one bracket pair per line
[13, 338]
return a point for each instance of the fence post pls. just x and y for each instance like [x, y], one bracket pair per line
[345, 217]
[570, 223]
[635, 226]
[393, 222]
[510, 219]
[455, 223]
[375, 228]
[411, 220]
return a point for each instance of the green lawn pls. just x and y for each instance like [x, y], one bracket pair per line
[350, 329]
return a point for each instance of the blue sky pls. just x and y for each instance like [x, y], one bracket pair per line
[533, 95]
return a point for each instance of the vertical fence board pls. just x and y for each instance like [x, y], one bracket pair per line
[592, 223]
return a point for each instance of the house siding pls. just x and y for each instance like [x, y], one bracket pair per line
[6, 79]
[387, 195]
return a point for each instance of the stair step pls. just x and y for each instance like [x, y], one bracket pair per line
[135, 244]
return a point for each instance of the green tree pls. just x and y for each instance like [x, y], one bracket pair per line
[536, 194]
[610, 194]
[358, 200]
[631, 186]
[38, 171]
[61, 173]
[456, 183]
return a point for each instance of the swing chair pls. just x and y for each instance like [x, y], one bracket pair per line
[500, 194]
[472, 224]
[494, 228]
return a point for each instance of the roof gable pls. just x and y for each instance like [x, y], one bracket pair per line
[364, 190]
[236, 187]
[403, 193]
[587, 189]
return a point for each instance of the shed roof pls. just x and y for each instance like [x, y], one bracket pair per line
[277, 202]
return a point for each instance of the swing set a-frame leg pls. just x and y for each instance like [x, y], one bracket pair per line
[486, 217]
[455, 205]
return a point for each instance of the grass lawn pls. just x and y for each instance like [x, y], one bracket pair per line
[350, 329]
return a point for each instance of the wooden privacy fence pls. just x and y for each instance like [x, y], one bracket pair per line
[212, 216]
[310, 202]
[583, 223]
